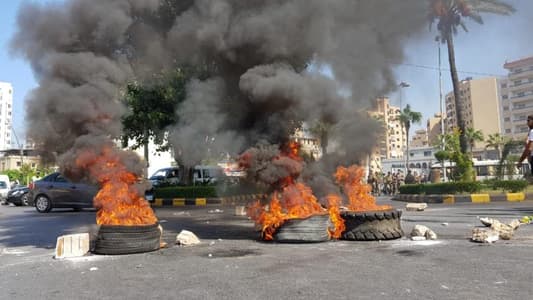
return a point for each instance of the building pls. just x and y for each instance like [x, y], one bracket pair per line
[517, 98]
[420, 139]
[420, 161]
[481, 106]
[6, 114]
[13, 159]
[392, 143]
[434, 129]
[308, 143]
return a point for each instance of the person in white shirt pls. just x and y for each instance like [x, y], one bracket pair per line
[529, 146]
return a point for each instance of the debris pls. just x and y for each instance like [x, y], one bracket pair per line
[93, 269]
[423, 231]
[416, 206]
[72, 245]
[215, 211]
[484, 235]
[240, 210]
[187, 238]
[418, 238]
[487, 221]
[181, 213]
[211, 243]
[210, 255]
[163, 221]
[505, 231]
[526, 219]
[444, 224]
[515, 224]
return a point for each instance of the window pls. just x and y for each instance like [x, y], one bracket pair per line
[504, 85]
[506, 108]
[507, 119]
[427, 153]
[507, 130]
[504, 97]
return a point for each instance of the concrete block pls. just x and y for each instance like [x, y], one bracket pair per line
[72, 245]
[416, 206]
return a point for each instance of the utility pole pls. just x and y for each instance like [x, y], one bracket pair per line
[20, 147]
[442, 129]
[402, 85]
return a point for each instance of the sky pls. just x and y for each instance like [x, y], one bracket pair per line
[481, 52]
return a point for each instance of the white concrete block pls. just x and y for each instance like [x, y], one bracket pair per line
[72, 245]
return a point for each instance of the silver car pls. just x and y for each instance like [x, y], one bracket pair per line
[55, 191]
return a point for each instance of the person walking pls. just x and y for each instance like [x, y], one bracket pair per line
[528, 147]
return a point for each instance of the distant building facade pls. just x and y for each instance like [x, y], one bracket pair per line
[420, 139]
[6, 114]
[392, 142]
[434, 129]
[481, 106]
[308, 143]
[517, 98]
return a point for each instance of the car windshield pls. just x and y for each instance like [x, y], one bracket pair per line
[159, 174]
[3, 185]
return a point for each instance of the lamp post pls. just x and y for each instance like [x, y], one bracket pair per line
[403, 85]
[441, 104]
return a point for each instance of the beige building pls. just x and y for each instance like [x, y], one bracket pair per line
[392, 143]
[517, 98]
[481, 106]
[12, 160]
[420, 139]
[434, 129]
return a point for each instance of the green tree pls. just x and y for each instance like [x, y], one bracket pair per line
[406, 118]
[152, 108]
[473, 136]
[449, 15]
[497, 142]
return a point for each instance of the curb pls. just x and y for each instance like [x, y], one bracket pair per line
[233, 200]
[472, 198]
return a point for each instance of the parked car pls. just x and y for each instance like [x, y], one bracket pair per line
[18, 195]
[5, 186]
[165, 177]
[207, 175]
[55, 191]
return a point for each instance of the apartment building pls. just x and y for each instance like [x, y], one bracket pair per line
[517, 98]
[308, 143]
[393, 141]
[420, 139]
[434, 129]
[481, 106]
[6, 114]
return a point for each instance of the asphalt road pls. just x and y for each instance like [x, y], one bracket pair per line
[231, 263]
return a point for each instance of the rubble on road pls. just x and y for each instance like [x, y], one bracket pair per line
[424, 232]
[416, 206]
[501, 230]
[187, 238]
[484, 235]
[215, 211]
[72, 245]
[240, 210]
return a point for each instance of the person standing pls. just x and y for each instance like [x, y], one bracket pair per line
[528, 147]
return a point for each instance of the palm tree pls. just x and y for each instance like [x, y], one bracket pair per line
[473, 136]
[449, 15]
[497, 142]
[406, 117]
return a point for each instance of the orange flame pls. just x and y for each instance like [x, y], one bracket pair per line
[358, 193]
[118, 201]
[334, 203]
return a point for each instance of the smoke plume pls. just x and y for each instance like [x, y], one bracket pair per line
[269, 59]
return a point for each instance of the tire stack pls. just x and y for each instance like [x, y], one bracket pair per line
[313, 229]
[118, 239]
[372, 225]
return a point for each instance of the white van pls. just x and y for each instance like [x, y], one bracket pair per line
[5, 186]
[207, 174]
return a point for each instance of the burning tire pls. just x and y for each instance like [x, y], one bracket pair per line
[310, 230]
[372, 225]
[117, 239]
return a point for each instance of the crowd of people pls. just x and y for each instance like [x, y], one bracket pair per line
[388, 184]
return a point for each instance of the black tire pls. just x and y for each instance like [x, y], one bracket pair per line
[43, 204]
[310, 230]
[372, 225]
[116, 239]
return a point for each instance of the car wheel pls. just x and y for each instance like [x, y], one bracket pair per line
[43, 204]
[25, 199]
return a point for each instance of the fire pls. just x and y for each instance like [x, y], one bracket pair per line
[118, 201]
[295, 200]
[358, 193]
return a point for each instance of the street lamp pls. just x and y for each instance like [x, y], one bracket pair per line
[441, 104]
[403, 85]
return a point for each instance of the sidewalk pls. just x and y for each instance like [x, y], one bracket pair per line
[465, 198]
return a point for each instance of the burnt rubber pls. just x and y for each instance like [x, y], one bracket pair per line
[309, 230]
[116, 239]
[372, 225]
